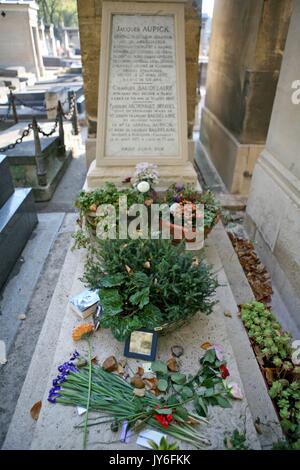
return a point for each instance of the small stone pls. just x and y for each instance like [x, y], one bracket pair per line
[137, 382]
[172, 364]
[139, 392]
[114, 426]
[123, 363]
[140, 371]
[177, 351]
[110, 364]
[22, 316]
[81, 362]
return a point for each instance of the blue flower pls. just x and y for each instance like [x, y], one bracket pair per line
[74, 355]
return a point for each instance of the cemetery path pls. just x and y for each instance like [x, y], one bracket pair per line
[27, 293]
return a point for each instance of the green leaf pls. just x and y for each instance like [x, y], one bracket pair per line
[178, 378]
[200, 406]
[186, 393]
[164, 411]
[223, 402]
[111, 301]
[182, 412]
[112, 281]
[172, 400]
[177, 388]
[140, 298]
[162, 385]
[160, 367]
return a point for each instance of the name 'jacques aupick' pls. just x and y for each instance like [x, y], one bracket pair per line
[144, 29]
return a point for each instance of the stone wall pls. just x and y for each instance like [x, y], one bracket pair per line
[89, 13]
[273, 210]
[247, 44]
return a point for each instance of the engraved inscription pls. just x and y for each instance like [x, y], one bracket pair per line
[142, 95]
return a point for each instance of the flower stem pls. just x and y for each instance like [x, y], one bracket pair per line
[85, 431]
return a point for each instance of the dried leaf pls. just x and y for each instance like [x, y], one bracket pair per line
[172, 364]
[206, 345]
[269, 375]
[137, 382]
[35, 410]
[227, 314]
[110, 364]
[128, 269]
[94, 360]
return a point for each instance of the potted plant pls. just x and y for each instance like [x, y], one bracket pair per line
[148, 284]
[179, 195]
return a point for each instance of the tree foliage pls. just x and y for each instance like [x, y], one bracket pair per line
[58, 12]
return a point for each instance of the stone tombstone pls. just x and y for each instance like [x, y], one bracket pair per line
[142, 93]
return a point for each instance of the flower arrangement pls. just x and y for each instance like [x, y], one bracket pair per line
[145, 173]
[148, 283]
[114, 396]
[88, 202]
[178, 195]
[110, 393]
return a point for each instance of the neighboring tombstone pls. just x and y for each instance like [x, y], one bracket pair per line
[19, 37]
[142, 110]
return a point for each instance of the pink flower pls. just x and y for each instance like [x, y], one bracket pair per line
[219, 351]
[235, 391]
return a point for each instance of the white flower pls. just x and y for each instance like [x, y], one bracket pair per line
[235, 391]
[174, 208]
[143, 187]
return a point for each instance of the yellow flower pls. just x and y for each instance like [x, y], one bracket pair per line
[82, 330]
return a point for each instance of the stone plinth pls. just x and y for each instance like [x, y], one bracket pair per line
[273, 211]
[19, 37]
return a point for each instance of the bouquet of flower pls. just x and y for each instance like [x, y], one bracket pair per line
[145, 173]
[109, 393]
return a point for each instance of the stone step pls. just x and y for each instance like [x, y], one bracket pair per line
[6, 183]
[17, 220]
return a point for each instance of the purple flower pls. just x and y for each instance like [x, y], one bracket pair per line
[179, 187]
[53, 394]
[177, 198]
[74, 355]
[64, 370]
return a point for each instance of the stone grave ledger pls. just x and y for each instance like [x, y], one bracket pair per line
[142, 93]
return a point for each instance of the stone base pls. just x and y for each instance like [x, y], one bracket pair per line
[234, 161]
[97, 176]
[273, 221]
[90, 149]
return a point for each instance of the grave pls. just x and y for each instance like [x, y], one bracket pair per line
[19, 38]
[17, 219]
[142, 105]
[23, 163]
